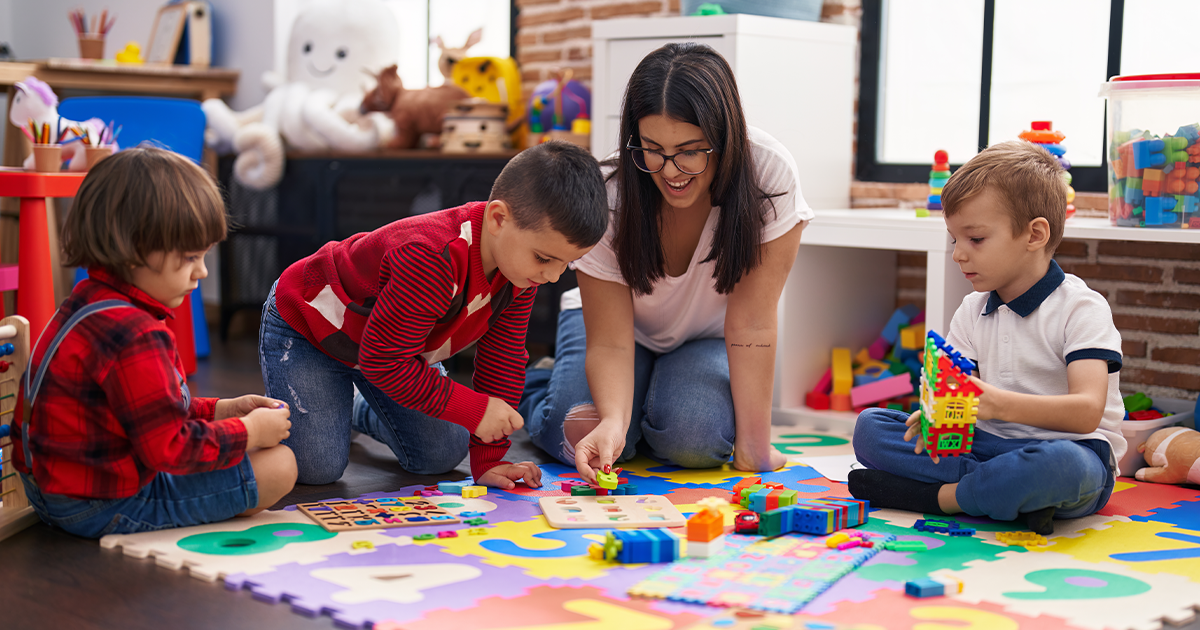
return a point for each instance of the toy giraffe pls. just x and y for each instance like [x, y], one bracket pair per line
[949, 400]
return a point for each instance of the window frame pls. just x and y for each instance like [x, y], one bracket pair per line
[868, 169]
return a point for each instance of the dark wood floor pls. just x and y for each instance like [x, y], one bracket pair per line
[50, 579]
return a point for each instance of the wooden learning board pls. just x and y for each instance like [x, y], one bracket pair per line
[15, 513]
[620, 511]
[383, 513]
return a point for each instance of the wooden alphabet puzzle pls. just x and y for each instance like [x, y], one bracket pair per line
[620, 511]
[382, 513]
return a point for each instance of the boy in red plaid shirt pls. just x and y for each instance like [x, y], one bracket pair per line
[113, 441]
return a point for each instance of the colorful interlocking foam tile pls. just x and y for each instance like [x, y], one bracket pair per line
[1131, 566]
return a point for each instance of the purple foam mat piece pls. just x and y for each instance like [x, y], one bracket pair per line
[306, 594]
[850, 588]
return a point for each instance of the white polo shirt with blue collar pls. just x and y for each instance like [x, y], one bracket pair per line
[1025, 345]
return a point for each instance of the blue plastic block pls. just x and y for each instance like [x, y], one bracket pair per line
[1148, 153]
[901, 317]
[1053, 148]
[924, 587]
[1191, 203]
[647, 545]
[1156, 210]
[935, 199]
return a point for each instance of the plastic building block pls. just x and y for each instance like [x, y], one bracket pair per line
[905, 545]
[448, 533]
[843, 374]
[1021, 539]
[949, 401]
[470, 492]
[1148, 153]
[607, 479]
[362, 544]
[836, 539]
[704, 526]
[426, 536]
[452, 487]
[912, 337]
[849, 544]
[583, 491]
[825, 384]
[625, 489]
[943, 527]
[471, 514]
[477, 531]
[705, 549]
[476, 521]
[746, 522]
[427, 493]
[840, 402]
[816, 400]
[1156, 210]
[924, 588]
[882, 389]
[567, 484]
[638, 545]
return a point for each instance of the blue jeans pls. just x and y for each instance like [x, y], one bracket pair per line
[167, 501]
[320, 391]
[682, 403]
[999, 478]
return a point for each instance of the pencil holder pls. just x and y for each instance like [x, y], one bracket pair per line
[95, 154]
[47, 158]
[91, 46]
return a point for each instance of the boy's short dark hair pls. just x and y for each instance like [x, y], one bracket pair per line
[140, 201]
[1026, 177]
[557, 183]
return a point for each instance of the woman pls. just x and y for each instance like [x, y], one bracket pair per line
[674, 345]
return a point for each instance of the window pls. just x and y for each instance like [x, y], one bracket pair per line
[420, 20]
[962, 74]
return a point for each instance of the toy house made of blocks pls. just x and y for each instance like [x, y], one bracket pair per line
[949, 400]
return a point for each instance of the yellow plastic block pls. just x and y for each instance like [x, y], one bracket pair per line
[833, 541]
[470, 492]
[862, 357]
[1021, 539]
[870, 366]
[843, 373]
[362, 544]
[477, 531]
[913, 337]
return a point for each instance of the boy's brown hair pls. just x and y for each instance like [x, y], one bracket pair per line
[137, 202]
[1027, 178]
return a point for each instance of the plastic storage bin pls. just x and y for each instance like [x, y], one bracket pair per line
[1154, 150]
[1136, 433]
[795, 9]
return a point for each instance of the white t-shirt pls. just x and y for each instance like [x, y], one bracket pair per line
[1024, 346]
[688, 306]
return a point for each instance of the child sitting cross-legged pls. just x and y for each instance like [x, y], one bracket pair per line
[1048, 434]
[112, 441]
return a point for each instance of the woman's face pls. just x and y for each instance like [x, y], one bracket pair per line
[668, 136]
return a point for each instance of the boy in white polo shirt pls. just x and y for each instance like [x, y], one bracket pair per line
[1049, 430]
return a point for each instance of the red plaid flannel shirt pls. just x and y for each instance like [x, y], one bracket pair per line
[111, 413]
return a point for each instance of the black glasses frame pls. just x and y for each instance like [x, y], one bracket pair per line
[671, 158]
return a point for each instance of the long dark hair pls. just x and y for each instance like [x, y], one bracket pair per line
[692, 83]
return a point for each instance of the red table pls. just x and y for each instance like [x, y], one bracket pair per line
[35, 277]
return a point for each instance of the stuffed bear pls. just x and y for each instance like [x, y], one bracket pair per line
[415, 112]
[334, 45]
[1173, 455]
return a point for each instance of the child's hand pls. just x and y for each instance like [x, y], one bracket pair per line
[242, 405]
[914, 430]
[505, 476]
[991, 399]
[499, 421]
[267, 427]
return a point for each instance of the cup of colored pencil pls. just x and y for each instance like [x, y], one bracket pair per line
[47, 152]
[102, 147]
[91, 34]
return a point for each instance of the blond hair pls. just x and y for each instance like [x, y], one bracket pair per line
[137, 202]
[1027, 178]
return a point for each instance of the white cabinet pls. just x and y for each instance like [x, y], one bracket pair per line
[796, 80]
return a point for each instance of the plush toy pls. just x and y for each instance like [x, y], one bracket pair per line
[451, 56]
[1173, 455]
[34, 100]
[334, 45]
[415, 112]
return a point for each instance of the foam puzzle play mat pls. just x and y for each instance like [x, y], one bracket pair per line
[781, 550]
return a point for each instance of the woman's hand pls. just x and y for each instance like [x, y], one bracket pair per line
[243, 405]
[599, 448]
[751, 459]
[914, 430]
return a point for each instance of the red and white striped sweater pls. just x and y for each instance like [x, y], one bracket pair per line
[408, 295]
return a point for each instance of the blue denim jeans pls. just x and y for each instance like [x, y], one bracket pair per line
[999, 478]
[167, 501]
[321, 393]
[682, 403]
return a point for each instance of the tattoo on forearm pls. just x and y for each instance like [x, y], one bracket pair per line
[749, 345]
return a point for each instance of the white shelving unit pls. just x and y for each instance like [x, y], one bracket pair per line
[842, 290]
[796, 80]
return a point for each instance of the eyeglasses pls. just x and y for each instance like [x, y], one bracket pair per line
[688, 162]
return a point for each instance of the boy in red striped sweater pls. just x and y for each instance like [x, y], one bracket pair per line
[379, 311]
